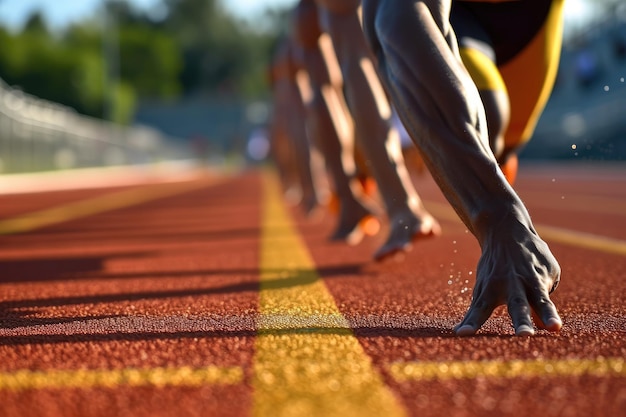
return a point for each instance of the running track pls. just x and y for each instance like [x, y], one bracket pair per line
[204, 295]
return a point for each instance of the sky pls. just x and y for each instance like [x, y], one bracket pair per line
[59, 13]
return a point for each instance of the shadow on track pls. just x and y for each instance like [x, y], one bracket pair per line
[16, 340]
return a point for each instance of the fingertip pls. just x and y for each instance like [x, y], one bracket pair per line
[524, 330]
[546, 317]
[553, 324]
[465, 330]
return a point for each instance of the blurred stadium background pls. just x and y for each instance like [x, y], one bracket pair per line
[187, 81]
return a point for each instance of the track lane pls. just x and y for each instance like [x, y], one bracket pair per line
[143, 287]
[417, 301]
[185, 297]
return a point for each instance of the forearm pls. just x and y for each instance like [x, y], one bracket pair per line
[441, 109]
[473, 183]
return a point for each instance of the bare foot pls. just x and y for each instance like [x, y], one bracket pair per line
[404, 231]
[310, 206]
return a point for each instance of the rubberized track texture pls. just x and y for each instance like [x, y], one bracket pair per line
[208, 296]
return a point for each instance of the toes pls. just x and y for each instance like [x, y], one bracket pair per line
[430, 227]
[354, 232]
[402, 237]
[351, 235]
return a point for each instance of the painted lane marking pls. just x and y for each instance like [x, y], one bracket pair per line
[583, 240]
[428, 371]
[152, 377]
[304, 366]
[99, 204]
[556, 234]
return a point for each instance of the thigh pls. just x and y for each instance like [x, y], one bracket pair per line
[530, 75]
[512, 46]
[476, 47]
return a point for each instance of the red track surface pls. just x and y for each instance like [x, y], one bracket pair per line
[174, 282]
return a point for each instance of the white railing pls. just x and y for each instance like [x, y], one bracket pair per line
[39, 135]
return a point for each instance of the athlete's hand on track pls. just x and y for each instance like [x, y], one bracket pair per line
[517, 269]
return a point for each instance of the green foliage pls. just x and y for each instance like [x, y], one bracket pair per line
[149, 61]
[8, 56]
[36, 24]
[195, 48]
[88, 82]
[124, 101]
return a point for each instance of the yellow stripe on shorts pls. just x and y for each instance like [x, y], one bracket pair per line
[483, 70]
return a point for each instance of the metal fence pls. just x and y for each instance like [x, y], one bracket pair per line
[38, 135]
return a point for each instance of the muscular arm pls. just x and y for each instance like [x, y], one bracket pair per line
[418, 60]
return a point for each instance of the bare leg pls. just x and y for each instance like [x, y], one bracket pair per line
[282, 153]
[380, 140]
[436, 99]
[327, 123]
[290, 145]
[296, 91]
[306, 171]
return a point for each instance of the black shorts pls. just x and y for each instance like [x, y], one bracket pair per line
[512, 46]
[502, 29]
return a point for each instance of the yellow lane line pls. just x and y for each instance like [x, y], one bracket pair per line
[556, 234]
[84, 378]
[305, 365]
[99, 204]
[583, 240]
[576, 202]
[427, 371]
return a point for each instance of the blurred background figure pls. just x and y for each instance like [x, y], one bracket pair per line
[301, 173]
[370, 111]
[412, 158]
[330, 125]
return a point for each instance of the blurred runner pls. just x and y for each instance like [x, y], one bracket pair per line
[329, 124]
[412, 159]
[300, 173]
[379, 141]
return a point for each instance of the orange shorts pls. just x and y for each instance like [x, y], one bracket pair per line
[513, 46]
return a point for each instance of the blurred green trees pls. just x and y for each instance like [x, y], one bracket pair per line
[106, 64]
